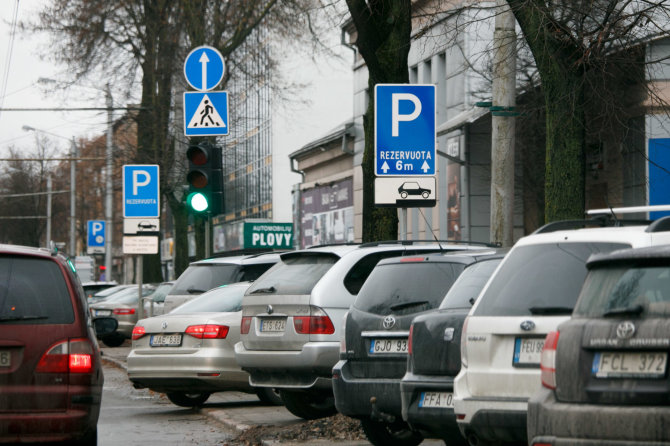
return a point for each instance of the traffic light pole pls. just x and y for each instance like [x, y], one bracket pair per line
[208, 239]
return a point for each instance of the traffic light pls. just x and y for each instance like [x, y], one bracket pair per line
[205, 178]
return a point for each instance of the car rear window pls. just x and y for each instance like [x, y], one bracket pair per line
[406, 288]
[540, 279]
[626, 290]
[469, 284]
[33, 291]
[295, 274]
[200, 278]
[218, 300]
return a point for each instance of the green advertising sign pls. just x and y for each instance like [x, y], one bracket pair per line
[268, 235]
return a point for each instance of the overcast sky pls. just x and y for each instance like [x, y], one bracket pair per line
[330, 93]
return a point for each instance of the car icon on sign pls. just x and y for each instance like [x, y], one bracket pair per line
[146, 225]
[413, 188]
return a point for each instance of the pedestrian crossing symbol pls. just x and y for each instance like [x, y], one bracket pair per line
[206, 113]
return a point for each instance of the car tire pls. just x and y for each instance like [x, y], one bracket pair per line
[113, 340]
[403, 194]
[309, 405]
[183, 399]
[425, 194]
[270, 396]
[394, 434]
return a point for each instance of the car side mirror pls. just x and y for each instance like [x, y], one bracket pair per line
[105, 325]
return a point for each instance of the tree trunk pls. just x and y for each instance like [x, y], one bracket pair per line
[180, 221]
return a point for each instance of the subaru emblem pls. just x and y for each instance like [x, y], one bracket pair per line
[270, 309]
[389, 322]
[527, 325]
[164, 325]
[625, 330]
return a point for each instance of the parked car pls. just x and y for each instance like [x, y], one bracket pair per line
[292, 318]
[188, 353]
[206, 274]
[604, 371]
[154, 303]
[90, 288]
[534, 289]
[104, 294]
[122, 306]
[434, 354]
[51, 375]
[412, 188]
[374, 346]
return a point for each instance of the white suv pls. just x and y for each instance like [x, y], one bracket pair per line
[533, 290]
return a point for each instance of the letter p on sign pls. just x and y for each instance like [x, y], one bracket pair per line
[396, 116]
[136, 179]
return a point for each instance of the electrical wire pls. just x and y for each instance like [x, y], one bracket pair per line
[8, 55]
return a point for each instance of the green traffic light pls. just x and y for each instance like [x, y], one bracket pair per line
[197, 201]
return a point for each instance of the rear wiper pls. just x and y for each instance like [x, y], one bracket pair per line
[550, 310]
[635, 309]
[267, 290]
[21, 318]
[194, 291]
[408, 305]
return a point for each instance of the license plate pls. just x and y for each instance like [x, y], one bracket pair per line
[629, 364]
[173, 340]
[528, 351]
[381, 346]
[437, 399]
[275, 325]
[103, 312]
[5, 358]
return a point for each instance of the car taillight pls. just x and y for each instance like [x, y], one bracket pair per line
[74, 356]
[548, 360]
[245, 325]
[123, 311]
[409, 339]
[464, 340]
[317, 322]
[138, 332]
[207, 331]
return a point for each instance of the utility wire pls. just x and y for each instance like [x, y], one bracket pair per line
[8, 55]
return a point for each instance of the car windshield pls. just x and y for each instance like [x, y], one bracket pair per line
[23, 298]
[469, 284]
[227, 298]
[625, 290]
[129, 295]
[406, 288]
[200, 278]
[539, 279]
[295, 274]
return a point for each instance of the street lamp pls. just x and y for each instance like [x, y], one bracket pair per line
[73, 176]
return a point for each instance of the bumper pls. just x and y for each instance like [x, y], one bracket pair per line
[558, 423]
[301, 369]
[126, 329]
[352, 395]
[38, 427]
[439, 421]
[500, 419]
[176, 372]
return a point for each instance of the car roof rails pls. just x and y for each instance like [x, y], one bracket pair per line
[439, 242]
[325, 245]
[606, 217]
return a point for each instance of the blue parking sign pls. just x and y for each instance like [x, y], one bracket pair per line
[141, 188]
[96, 234]
[405, 130]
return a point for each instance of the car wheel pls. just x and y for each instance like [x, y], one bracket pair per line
[309, 405]
[90, 439]
[188, 399]
[268, 395]
[113, 340]
[425, 194]
[403, 194]
[394, 434]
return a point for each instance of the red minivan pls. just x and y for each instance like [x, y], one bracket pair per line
[50, 370]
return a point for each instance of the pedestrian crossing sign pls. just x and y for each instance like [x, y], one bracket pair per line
[206, 113]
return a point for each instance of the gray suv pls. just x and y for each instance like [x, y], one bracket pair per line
[206, 274]
[292, 319]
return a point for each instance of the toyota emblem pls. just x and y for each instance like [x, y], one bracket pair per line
[164, 325]
[625, 330]
[389, 322]
[270, 309]
[527, 325]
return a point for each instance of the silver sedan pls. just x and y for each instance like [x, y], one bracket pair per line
[189, 353]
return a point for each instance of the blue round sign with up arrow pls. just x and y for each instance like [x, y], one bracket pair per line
[204, 68]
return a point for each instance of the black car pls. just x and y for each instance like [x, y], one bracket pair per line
[413, 188]
[605, 371]
[435, 354]
[374, 348]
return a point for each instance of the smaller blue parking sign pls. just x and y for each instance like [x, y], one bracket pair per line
[95, 240]
[141, 191]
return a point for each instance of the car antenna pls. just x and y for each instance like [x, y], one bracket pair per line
[431, 229]
[607, 202]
